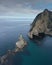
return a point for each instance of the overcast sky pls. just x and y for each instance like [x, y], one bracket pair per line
[23, 8]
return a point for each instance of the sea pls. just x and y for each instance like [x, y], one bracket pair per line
[35, 53]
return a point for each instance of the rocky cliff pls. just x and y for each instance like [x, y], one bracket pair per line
[42, 24]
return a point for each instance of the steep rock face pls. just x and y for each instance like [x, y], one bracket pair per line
[42, 24]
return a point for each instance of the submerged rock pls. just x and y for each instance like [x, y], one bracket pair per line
[42, 25]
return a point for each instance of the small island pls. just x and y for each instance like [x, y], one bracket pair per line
[42, 25]
[20, 44]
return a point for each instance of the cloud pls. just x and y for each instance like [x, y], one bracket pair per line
[23, 7]
[19, 10]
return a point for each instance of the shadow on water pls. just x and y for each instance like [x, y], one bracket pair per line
[17, 60]
[26, 52]
[39, 39]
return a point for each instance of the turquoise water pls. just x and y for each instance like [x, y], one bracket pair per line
[33, 54]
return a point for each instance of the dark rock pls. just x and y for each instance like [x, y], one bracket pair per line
[42, 24]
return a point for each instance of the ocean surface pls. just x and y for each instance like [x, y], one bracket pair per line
[36, 53]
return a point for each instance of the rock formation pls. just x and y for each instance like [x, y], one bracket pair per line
[20, 44]
[42, 24]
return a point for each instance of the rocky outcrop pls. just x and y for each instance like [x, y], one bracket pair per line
[42, 24]
[20, 44]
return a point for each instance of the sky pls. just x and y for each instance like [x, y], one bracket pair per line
[23, 8]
